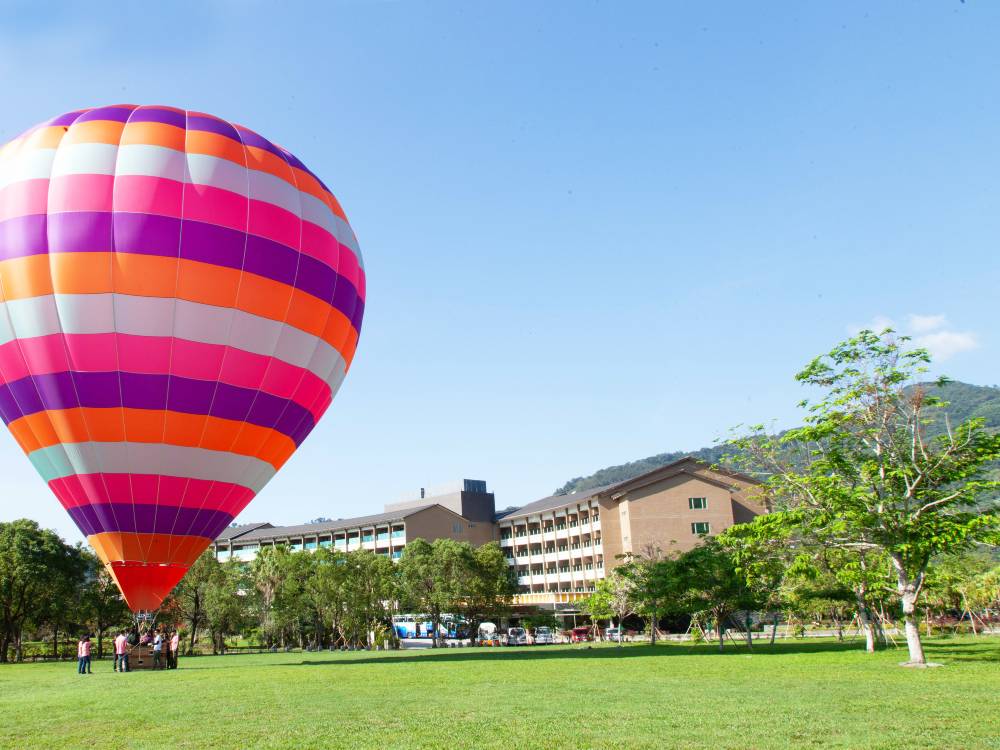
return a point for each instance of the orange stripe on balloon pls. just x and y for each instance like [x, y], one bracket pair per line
[213, 144]
[153, 134]
[95, 131]
[115, 546]
[83, 424]
[154, 276]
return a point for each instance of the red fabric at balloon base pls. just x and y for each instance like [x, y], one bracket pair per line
[145, 586]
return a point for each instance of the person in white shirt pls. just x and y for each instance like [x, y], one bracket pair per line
[158, 650]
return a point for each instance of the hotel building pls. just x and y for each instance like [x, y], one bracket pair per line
[558, 547]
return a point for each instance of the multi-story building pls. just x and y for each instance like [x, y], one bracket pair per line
[559, 546]
[562, 545]
[462, 511]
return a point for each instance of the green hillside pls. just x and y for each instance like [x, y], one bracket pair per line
[964, 402]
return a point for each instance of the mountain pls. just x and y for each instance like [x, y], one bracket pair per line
[965, 401]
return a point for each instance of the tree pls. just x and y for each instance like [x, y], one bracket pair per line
[768, 550]
[326, 591]
[224, 603]
[268, 572]
[435, 577]
[370, 590]
[103, 604]
[491, 585]
[653, 584]
[708, 581]
[188, 598]
[862, 473]
[35, 564]
[599, 604]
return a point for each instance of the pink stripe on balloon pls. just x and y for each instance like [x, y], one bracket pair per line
[90, 489]
[24, 199]
[320, 244]
[148, 195]
[274, 223]
[81, 192]
[214, 205]
[110, 352]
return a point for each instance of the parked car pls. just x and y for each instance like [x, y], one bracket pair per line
[517, 637]
[611, 634]
[544, 637]
[578, 635]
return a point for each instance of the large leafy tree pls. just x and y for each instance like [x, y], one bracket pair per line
[103, 605]
[652, 584]
[187, 601]
[491, 585]
[36, 567]
[326, 592]
[706, 580]
[435, 577]
[866, 473]
[225, 602]
[370, 591]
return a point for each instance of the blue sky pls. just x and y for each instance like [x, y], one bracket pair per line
[593, 231]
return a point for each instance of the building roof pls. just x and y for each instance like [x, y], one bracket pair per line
[675, 467]
[328, 526]
[238, 530]
[554, 501]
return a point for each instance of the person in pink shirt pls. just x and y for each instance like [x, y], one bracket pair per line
[121, 653]
[83, 655]
[175, 643]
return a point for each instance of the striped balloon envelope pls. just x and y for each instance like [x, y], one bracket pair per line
[181, 301]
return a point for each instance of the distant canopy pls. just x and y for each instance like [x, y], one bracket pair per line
[181, 301]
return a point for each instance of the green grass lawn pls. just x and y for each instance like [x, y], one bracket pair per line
[803, 694]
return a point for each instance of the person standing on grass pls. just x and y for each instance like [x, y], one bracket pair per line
[158, 650]
[83, 655]
[121, 652]
[175, 643]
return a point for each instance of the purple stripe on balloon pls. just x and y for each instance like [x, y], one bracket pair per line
[142, 518]
[160, 115]
[24, 235]
[67, 119]
[212, 125]
[150, 234]
[118, 113]
[101, 390]
[251, 138]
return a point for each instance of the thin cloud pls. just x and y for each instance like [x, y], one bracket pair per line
[926, 323]
[946, 344]
[930, 332]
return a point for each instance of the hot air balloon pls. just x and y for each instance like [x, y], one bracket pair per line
[181, 301]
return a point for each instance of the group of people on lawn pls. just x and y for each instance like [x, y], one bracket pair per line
[165, 645]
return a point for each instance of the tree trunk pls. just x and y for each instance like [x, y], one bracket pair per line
[100, 640]
[749, 632]
[865, 619]
[652, 629]
[908, 591]
[55, 642]
[774, 627]
[722, 633]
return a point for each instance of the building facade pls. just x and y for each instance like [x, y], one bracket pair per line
[426, 517]
[559, 547]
